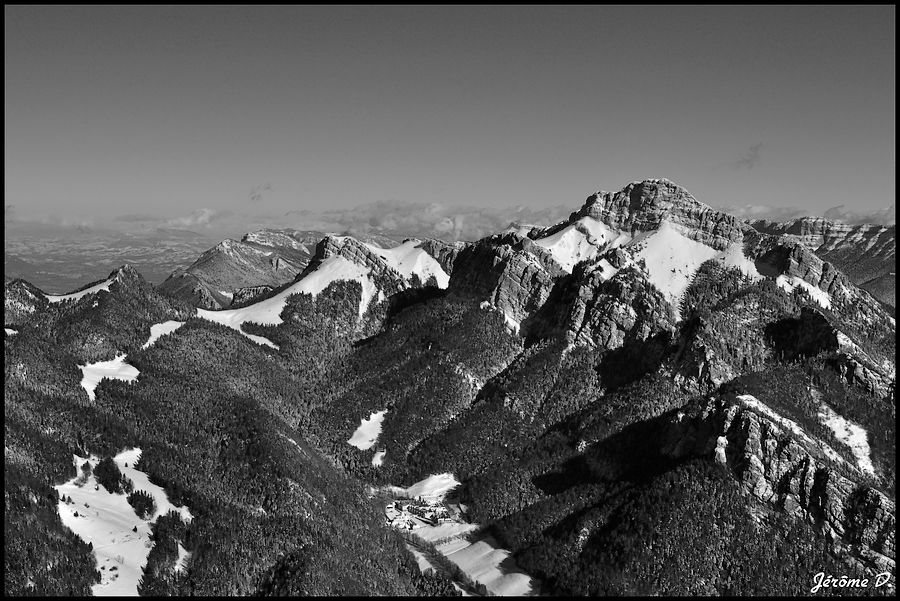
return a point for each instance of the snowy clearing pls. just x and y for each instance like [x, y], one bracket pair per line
[482, 560]
[107, 521]
[58, 298]
[378, 459]
[116, 369]
[10, 331]
[788, 283]
[268, 311]
[850, 434]
[434, 488]
[161, 329]
[407, 259]
[368, 431]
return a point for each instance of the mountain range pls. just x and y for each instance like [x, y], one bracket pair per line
[649, 397]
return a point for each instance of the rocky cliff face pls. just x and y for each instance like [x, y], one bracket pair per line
[642, 206]
[866, 253]
[298, 240]
[778, 467]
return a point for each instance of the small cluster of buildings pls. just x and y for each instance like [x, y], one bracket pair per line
[410, 513]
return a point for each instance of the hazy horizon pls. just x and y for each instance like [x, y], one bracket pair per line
[185, 116]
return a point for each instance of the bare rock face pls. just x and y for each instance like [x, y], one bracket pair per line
[605, 312]
[641, 207]
[779, 467]
[301, 241]
[249, 295]
[444, 253]
[875, 381]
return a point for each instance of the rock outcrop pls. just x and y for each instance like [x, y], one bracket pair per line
[642, 206]
[865, 252]
[781, 468]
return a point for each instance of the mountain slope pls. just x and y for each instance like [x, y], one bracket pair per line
[648, 397]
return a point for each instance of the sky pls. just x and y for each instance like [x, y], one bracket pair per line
[182, 115]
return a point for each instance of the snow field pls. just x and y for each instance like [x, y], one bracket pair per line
[58, 298]
[672, 259]
[788, 283]
[161, 329]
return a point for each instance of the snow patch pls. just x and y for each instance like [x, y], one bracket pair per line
[367, 433]
[408, 259]
[116, 369]
[161, 329]
[10, 331]
[58, 298]
[852, 435]
[108, 522]
[378, 459]
[579, 241]
[788, 283]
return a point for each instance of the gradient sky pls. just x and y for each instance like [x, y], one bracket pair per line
[119, 110]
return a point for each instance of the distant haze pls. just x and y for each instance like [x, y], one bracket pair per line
[188, 117]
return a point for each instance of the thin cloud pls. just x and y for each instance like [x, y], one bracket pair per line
[257, 192]
[200, 217]
[139, 218]
[750, 158]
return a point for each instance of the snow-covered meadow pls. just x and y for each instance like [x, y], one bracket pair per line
[120, 539]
